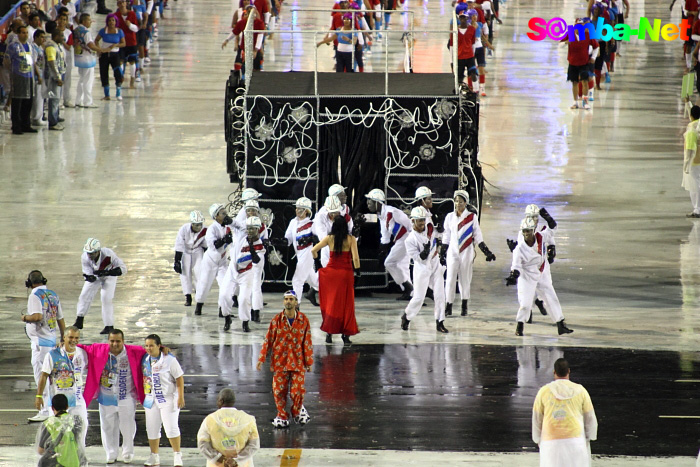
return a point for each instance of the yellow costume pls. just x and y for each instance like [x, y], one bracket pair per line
[229, 429]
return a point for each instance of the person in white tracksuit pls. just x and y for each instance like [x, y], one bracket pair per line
[246, 255]
[528, 272]
[532, 210]
[424, 248]
[214, 264]
[101, 267]
[462, 231]
[300, 235]
[189, 250]
[394, 226]
[231, 288]
[247, 194]
[325, 216]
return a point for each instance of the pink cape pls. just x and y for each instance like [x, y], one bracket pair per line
[97, 359]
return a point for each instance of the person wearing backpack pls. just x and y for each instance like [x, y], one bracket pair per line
[57, 438]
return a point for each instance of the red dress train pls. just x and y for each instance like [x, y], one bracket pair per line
[336, 294]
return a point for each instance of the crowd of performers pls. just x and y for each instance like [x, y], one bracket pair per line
[442, 252]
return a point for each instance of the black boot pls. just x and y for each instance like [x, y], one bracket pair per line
[448, 309]
[79, 322]
[245, 326]
[404, 322]
[540, 305]
[440, 326]
[198, 309]
[429, 294]
[561, 327]
[235, 301]
[519, 329]
[227, 324]
[188, 300]
[102, 9]
[255, 316]
[108, 329]
[312, 297]
[221, 315]
[529, 321]
[346, 339]
[464, 307]
[329, 338]
[407, 289]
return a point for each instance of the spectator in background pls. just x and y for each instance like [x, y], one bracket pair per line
[24, 12]
[56, 63]
[85, 60]
[691, 162]
[58, 437]
[65, 23]
[112, 39]
[128, 23]
[33, 25]
[39, 56]
[19, 56]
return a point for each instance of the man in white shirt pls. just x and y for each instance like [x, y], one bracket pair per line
[214, 263]
[332, 207]
[44, 316]
[423, 248]
[189, 250]
[300, 236]
[394, 226]
[66, 369]
[101, 267]
[528, 272]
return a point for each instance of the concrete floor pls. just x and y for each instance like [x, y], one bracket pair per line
[129, 173]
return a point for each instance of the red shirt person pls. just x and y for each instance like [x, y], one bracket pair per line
[288, 339]
[466, 37]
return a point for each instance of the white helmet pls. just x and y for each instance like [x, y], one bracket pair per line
[532, 210]
[92, 245]
[423, 192]
[333, 204]
[528, 224]
[419, 212]
[249, 193]
[304, 203]
[461, 193]
[251, 204]
[376, 195]
[335, 190]
[196, 217]
[214, 209]
[253, 222]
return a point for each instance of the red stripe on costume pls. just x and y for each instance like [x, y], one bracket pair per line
[538, 236]
[202, 233]
[246, 248]
[402, 232]
[430, 230]
[306, 226]
[303, 247]
[466, 244]
[465, 221]
[105, 262]
[388, 219]
[250, 265]
[347, 218]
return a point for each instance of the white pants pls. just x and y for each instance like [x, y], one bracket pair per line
[460, 267]
[691, 182]
[68, 79]
[257, 299]
[86, 78]
[228, 287]
[190, 266]
[208, 270]
[571, 452]
[81, 411]
[247, 282]
[38, 103]
[115, 419]
[166, 416]
[304, 272]
[422, 279]
[526, 296]
[107, 286]
[38, 355]
[397, 263]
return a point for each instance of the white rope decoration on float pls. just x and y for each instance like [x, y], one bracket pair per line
[290, 122]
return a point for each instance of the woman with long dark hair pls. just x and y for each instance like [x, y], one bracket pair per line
[336, 282]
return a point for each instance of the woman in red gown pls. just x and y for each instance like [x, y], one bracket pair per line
[336, 282]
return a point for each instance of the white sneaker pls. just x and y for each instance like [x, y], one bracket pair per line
[152, 461]
[111, 461]
[177, 459]
[128, 458]
[147, 60]
[119, 98]
[38, 417]
[138, 79]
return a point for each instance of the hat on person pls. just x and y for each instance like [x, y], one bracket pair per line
[291, 293]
